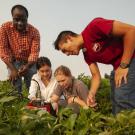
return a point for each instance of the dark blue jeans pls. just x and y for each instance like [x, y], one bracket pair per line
[124, 97]
[27, 77]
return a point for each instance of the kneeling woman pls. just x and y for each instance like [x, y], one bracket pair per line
[74, 90]
[42, 83]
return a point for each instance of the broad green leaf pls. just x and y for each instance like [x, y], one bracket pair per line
[105, 133]
[2, 93]
[70, 122]
[7, 99]
[122, 118]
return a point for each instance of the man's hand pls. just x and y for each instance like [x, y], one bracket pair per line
[14, 74]
[120, 74]
[91, 102]
[13, 71]
[23, 70]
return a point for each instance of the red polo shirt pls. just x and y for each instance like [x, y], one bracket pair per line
[100, 45]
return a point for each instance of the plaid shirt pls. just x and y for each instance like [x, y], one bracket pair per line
[20, 46]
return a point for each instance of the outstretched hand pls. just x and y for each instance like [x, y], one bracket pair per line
[91, 102]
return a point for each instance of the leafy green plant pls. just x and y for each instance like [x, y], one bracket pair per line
[15, 119]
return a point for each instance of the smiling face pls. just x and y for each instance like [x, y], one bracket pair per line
[45, 72]
[19, 19]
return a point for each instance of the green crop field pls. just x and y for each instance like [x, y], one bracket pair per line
[16, 120]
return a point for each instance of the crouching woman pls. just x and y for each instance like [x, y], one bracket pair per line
[74, 91]
[42, 83]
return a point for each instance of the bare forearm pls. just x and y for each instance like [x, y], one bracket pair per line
[96, 78]
[79, 101]
[129, 46]
[95, 83]
[54, 98]
[10, 65]
[127, 33]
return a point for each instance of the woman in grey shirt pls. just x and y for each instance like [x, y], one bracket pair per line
[74, 91]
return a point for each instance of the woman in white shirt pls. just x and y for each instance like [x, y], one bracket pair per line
[42, 82]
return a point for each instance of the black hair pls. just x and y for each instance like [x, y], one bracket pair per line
[41, 61]
[21, 7]
[62, 37]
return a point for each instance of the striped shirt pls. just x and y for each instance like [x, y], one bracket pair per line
[23, 46]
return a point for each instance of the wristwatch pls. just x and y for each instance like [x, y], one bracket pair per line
[124, 65]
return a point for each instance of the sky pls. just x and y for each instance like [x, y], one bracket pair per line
[52, 16]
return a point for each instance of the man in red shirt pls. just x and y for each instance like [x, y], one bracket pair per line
[109, 42]
[19, 47]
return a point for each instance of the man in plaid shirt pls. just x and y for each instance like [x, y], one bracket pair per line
[19, 47]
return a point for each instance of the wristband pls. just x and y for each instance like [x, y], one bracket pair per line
[124, 65]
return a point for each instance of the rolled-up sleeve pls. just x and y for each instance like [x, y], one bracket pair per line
[35, 48]
[5, 52]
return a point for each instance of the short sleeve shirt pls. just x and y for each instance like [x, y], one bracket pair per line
[78, 89]
[100, 45]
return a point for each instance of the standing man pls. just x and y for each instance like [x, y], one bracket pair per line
[109, 42]
[19, 47]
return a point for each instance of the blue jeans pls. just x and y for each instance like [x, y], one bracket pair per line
[27, 77]
[123, 97]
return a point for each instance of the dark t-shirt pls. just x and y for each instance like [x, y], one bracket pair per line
[78, 89]
[100, 45]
